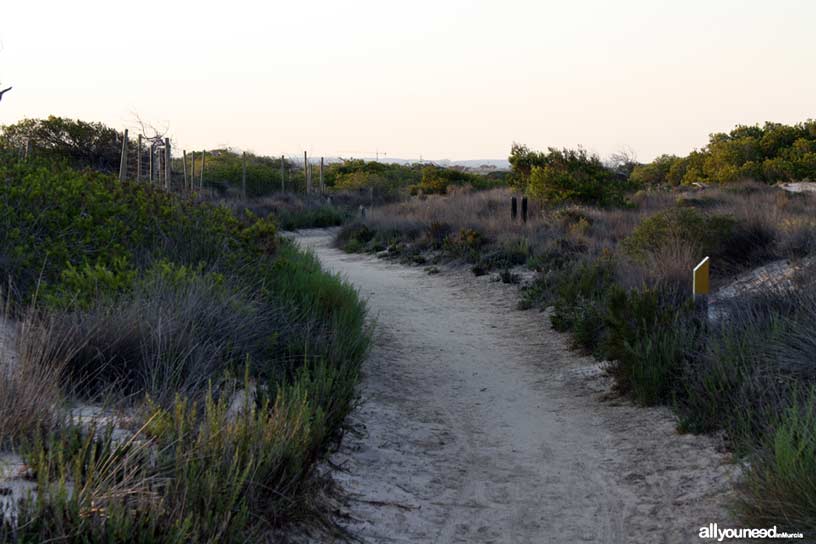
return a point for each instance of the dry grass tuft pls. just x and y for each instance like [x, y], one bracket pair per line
[31, 371]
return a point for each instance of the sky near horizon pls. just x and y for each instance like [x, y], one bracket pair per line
[444, 79]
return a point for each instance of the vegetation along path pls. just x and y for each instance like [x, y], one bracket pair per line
[477, 424]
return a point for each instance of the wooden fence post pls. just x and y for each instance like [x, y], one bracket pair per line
[524, 210]
[306, 173]
[243, 178]
[123, 158]
[513, 208]
[184, 167]
[201, 181]
[192, 171]
[168, 155]
[283, 174]
[150, 163]
[139, 160]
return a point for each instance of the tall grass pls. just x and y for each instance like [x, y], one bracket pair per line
[780, 484]
[32, 372]
[171, 336]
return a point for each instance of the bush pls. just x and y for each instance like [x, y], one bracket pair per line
[780, 483]
[438, 180]
[354, 236]
[652, 365]
[77, 143]
[197, 472]
[574, 176]
[579, 302]
[707, 233]
[322, 217]
[119, 226]
[176, 332]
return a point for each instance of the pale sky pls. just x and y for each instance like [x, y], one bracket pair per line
[441, 79]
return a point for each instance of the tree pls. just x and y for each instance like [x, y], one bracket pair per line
[655, 172]
[623, 162]
[771, 153]
[522, 160]
[81, 144]
[573, 175]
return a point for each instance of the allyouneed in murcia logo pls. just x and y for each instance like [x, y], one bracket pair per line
[713, 532]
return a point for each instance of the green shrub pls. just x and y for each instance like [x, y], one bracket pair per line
[437, 180]
[196, 472]
[771, 153]
[436, 233]
[77, 143]
[100, 227]
[780, 484]
[322, 217]
[707, 233]
[81, 286]
[579, 304]
[716, 380]
[354, 236]
[654, 363]
[654, 173]
[574, 176]
[465, 243]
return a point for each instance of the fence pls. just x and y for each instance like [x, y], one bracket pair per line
[151, 160]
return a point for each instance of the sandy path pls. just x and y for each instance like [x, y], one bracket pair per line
[478, 425]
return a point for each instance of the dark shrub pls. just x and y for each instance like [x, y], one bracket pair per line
[708, 233]
[354, 236]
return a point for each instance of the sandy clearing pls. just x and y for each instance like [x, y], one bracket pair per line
[478, 425]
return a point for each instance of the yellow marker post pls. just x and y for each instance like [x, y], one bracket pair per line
[700, 278]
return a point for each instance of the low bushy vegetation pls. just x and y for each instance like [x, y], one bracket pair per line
[232, 354]
[293, 211]
[438, 180]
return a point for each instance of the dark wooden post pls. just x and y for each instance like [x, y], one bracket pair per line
[123, 158]
[168, 155]
[201, 179]
[524, 210]
[150, 163]
[513, 208]
[322, 186]
[306, 173]
[139, 160]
